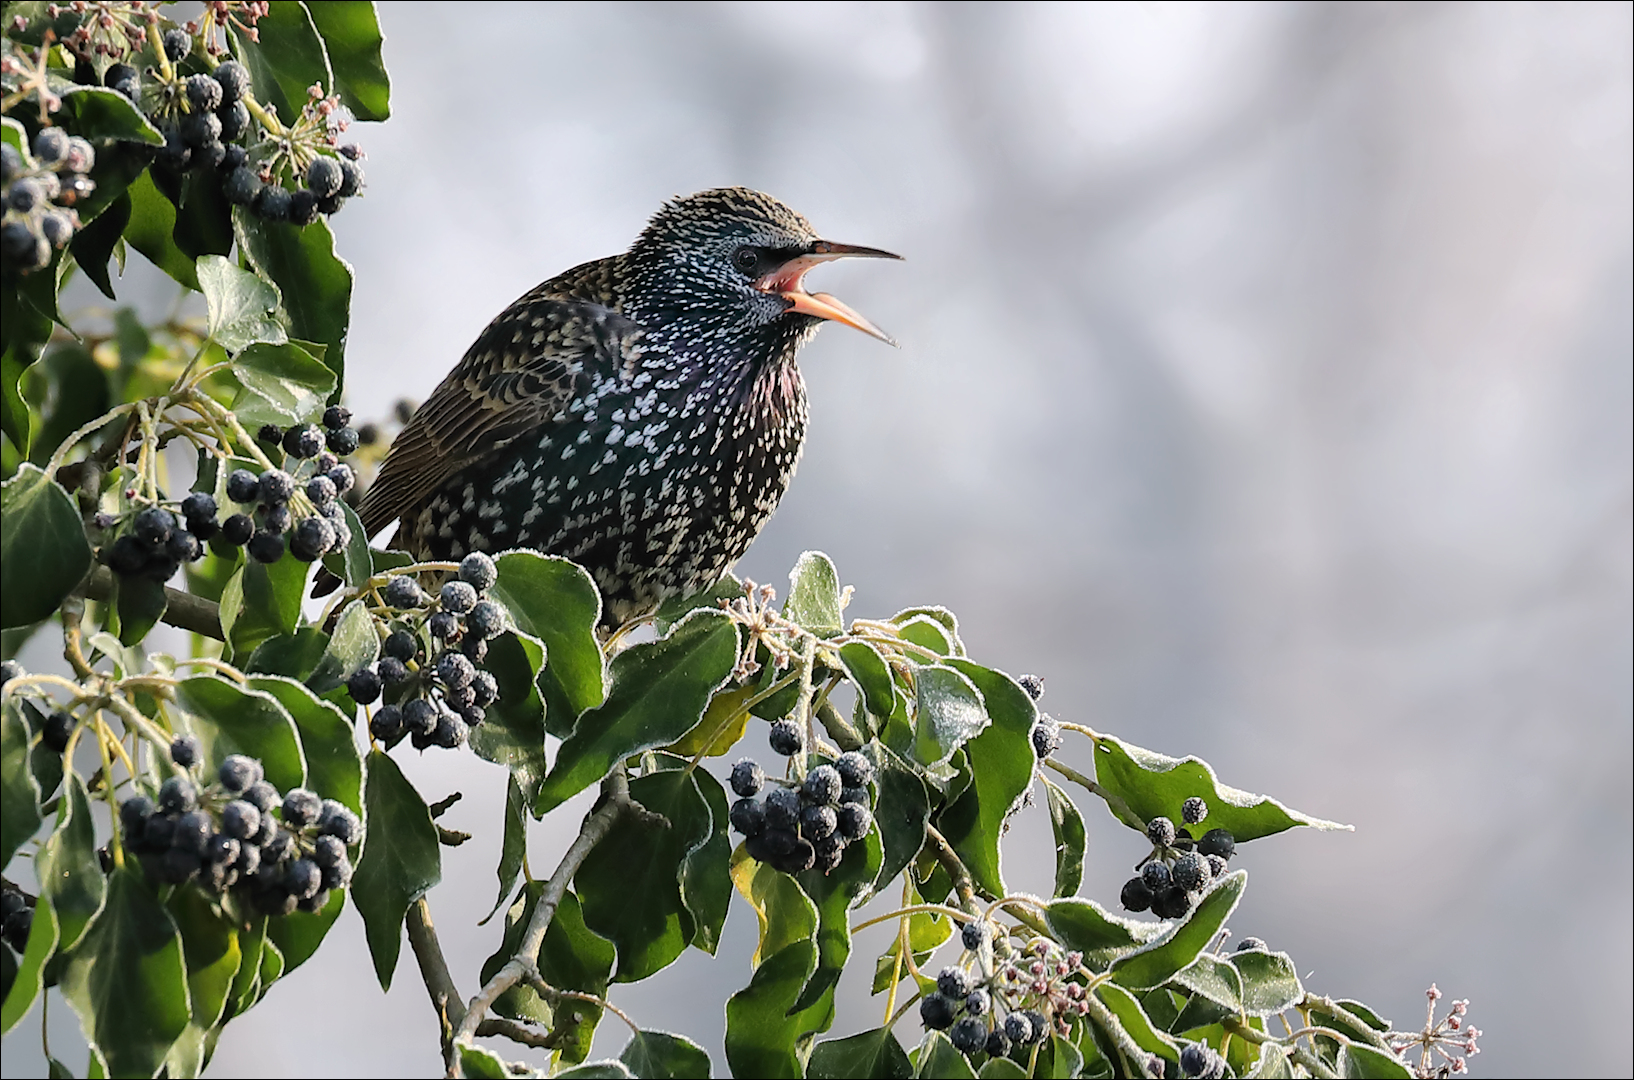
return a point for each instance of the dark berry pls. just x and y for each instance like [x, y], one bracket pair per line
[302, 878]
[323, 177]
[234, 79]
[307, 440]
[484, 688]
[336, 416]
[364, 686]
[822, 785]
[193, 832]
[239, 773]
[273, 203]
[330, 204]
[400, 644]
[392, 671]
[817, 822]
[56, 228]
[973, 934]
[1196, 1059]
[127, 556]
[177, 865]
[243, 486]
[854, 821]
[747, 778]
[953, 982]
[854, 769]
[936, 1012]
[9, 670]
[154, 525]
[184, 750]
[1046, 736]
[442, 625]
[235, 121]
[133, 814]
[342, 440]
[457, 597]
[977, 1002]
[26, 194]
[1040, 1025]
[968, 1035]
[275, 486]
[748, 817]
[486, 620]
[175, 154]
[799, 859]
[203, 93]
[1216, 866]
[266, 547]
[276, 518]
[1190, 871]
[301, 808]
[1217, 842]
[1136, 896]
[451, 731]
[337, 820]
[403, 592]
[1160, 831]
[276, 844]
[785, 738]
[1018, 1028]
[351, 178]
[22, 247]
[157, 830]
[782, 808]
[455, 670]
[201, 131]
[50, 145]
[474, 647]
[1193, 810]
[387, 722]
[224, 850]
[1155, 874]
[321, 490]
[830, 850]
[343, 477]
[1033, 684]
[271, 434]
[997, 1045]
[240, 820]
[1252, 943]
[420, 716]
[337, 876]
[119, 73]
[313, 538]
[198, 507]
[238, 529]
[303, 207]
[856, 795]
[183, 547]
[56, 730]
[1171, 903]
[478, 571]
[177, 44]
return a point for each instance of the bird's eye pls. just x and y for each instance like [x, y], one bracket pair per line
[746, 259]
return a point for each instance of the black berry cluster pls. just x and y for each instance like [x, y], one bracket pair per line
[1179, 869]
[16, 917]
[1200, 1060]
[1026, 998]
[800, 826]
[281, 852]
[431, 672]
[39, 193]
[9, 670]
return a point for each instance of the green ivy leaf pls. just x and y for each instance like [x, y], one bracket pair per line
[555, 601]
[513, 734]
[940, 615]
[1357, 1060]
[353, 563]
[280, 384]
[482, 1064]
[1335, 1015]
[835, 894]
[1001, 1069]
[814, 595]
[334, 768]
[127, 981]
[105, 115]
[67, 868]
[296, 936]
[76, 386]
[927, 633]
[658, 1055]
[316, 286]
[676, 608]
[246, 986]
[19, 796]
[29, 979]
[871, 1055]
[1154, 785]
[14, 417]
[139, 604]
[514, 845]
[599, 1070]
[630, 882]
[262, 601]
[43, 553]
[1070, 839]
[285, 57]
[1154, 963]
[901, 811]
[211, 953]
[99, 240]
[152, 231]
[351, 36]
[939, 1061]
[294, 656]
[573, 957]
[241, 305]
[764, 1037]
[230, 719]
[1210, 977]
[659, 690]
[706, 872]
[1085, 926]
[1270, 983]
[43, 762]
[1001, 764]
[1058, 1059]
[401, 860]
[354, 645]
[949, 712]
[785, 912]
[869, 671]
[1274, 1064]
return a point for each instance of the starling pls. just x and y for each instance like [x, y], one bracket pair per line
[641, 415]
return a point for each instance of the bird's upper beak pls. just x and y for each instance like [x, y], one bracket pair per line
[786, 281]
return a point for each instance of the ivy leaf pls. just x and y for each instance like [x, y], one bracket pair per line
[247, 983]
[659, 690]
[871, 1055]
[211, 953]
[353, 563]
[351, 37]
[43, 762]
[19, 795]
[1274, 1064]
[927, 633]
[1270, 983]
[401, 860]
[940, 615]
[29, 979]
[1058, 1058]
[334, 768]
[102, 115]
[1154, 963]
[285, 57]
[241, 305]
[939, 1061]
[869, 671]
[1001, 1069]
[676, 608]
[1155, 785]
[835, 894]
[630, 882]
[296, 936]
[481, 1064]
[260, 601]
[763, 1035]
[354, 645]
[1358, 1060]
[901, 811]
[555, 601]
[1001, 763]
[706, 872]
[230, 719]
[1212, 978]
[514, 845]
[513, 734]
[43, 553]
[139, 604]
[152, 231]
[658, 1055]
[67, 868]
[97, 241]
[573, 957]
[598, 1070]
[1085, 926]
[785, 912]
[315, 285]
[294, 656]
[127, 980]
[949, 712]
[280, 384]
[1070, 840]
[814, 595]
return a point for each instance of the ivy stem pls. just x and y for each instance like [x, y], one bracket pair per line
[1107, 1022]
[524, 962]
[1115, 802]
[82, 432]
[1300, 1054]
[901, 948]
[803, 718]
[962, 883]
[549, 991]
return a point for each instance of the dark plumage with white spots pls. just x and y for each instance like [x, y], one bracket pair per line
[641, 414]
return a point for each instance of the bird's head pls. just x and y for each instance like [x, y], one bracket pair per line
[737, 259]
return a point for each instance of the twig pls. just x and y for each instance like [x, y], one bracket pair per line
[182, 609]
[428, 952]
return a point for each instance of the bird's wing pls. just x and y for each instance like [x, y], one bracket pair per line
[518, 375]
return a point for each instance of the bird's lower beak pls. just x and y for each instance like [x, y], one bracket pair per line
[787, 281]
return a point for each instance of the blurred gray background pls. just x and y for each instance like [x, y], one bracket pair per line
[1264, 385]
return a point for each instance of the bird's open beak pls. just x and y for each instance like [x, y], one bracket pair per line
[786, 281]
